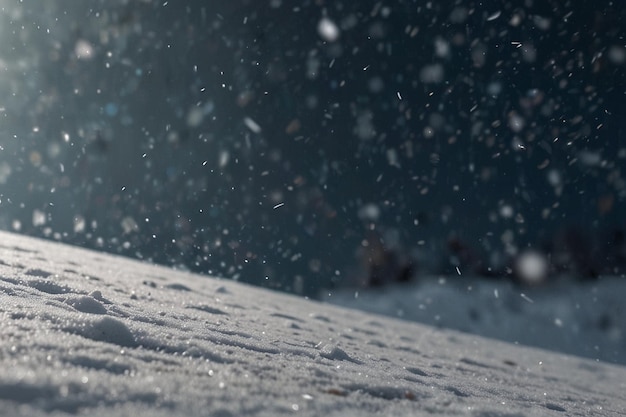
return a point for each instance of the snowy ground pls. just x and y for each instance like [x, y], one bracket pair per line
[87, 333]
[579, 318]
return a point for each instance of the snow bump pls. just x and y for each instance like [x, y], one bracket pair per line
[335, 353]
[109, 330]
[86, 304]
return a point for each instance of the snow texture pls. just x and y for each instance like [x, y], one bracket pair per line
[86, 333]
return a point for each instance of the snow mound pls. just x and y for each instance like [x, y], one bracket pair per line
[98, 335]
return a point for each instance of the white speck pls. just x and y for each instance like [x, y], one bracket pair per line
[458, 271]
[223, 159]
[278, 205]
[442, 48]
[527, 298]
[554, 178]
[79, 224]
[494, 16]
[252, 125]
[83, 50]
[39, 218]
[496, 294]
[506, 211]
[531, 267]
[195, 117]
[369, 212]
[328, 30]
[516, 122]
[129, 225]
[399, 96]
[392, 158]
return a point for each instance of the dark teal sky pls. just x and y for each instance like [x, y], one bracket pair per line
[234, 139]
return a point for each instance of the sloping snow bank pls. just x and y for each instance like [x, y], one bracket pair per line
[87, 333]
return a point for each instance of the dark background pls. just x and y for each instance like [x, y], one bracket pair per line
[235, 139]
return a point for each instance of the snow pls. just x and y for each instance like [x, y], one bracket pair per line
[578, 318]
[87, 333]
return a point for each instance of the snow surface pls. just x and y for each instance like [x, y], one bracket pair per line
[87, 333]
[580, 318]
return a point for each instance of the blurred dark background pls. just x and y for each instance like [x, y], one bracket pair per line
[277, 142]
